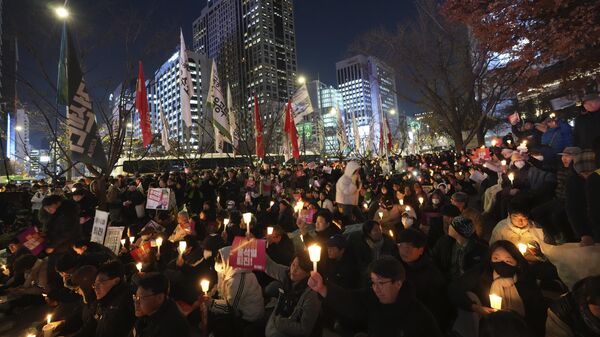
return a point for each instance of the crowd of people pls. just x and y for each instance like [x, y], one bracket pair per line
[448, 243]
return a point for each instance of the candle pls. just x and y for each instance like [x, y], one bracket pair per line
[503, 162]
[391, 233]
[401, 202]
[247, 219]
[407, 208]
[159, 241]
[269, 230]
[482, 147]
[553, 115]
[218, 199]
[299, 206]
[495, 301]
[204, 284]
[366, 206]
[421, 201]
[494, 142]
[508, 141]
[182, 247]
[131, 239]
[138, 266]
[271, 203]
[226, 221]
[380, 215]
[301, 237]
[48, 318]
[123, 241]
[522, 248]
[511, 177]
[314, 251]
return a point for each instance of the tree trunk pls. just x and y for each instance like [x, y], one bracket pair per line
[459, 143]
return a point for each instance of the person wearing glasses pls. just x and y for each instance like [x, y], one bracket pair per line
[113, 315]
[158, 315]
[388, 308]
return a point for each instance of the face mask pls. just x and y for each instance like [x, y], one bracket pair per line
[504, 269]
[407, 222]
[519, 164]
[435, 201]
[207, 254]
[219, 268]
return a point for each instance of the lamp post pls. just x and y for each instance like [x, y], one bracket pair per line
[62, 13]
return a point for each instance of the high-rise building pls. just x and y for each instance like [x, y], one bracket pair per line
[17, 138]
[165, 92]
[122, 101]
[253, 43]
[368, 88]
[37, 159]
[322, 123]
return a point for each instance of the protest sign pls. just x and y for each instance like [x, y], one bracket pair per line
[248, 253]
[32, 240]
[113, 238]
[158, 198]
[99, 229]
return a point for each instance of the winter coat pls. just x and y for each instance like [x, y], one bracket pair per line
[576, 205]
[565, 318]
[363, 255]
[592, 188]
[479, 281]
[442, 255]
[407, 317]
[430, 286]
[301, 321]
[167, 321]
[504, 230]
[239, 292]
[113, 315]
[343, 272]
[62, 228]
[587, 128]
[346, 190]
[555, 140]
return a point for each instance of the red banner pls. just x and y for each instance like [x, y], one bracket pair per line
[481, 154]
[248, 253]
[141, 104]
[32, 240]
[290, 129]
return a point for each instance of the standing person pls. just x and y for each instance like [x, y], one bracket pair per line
[556, 136]
[576, 205]
[158, 315]
[347, 188]
[389, 308]
[461, 201]
[587, 124]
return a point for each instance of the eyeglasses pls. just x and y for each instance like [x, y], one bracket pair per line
[137, 298]
[380, 284]
[100, 282]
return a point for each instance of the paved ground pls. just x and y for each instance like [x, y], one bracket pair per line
[23, 321]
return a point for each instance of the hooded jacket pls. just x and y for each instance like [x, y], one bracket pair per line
[239, 292]
[346, 190]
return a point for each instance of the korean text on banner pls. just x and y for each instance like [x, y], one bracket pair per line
[158, 198]
[248, 253]
[113, 239]
[99, 229]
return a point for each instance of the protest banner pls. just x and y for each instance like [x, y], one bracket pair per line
[32, 240]
[99, 228]
[248, 253]
[158, 198]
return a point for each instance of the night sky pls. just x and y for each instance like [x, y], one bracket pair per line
[324, 31]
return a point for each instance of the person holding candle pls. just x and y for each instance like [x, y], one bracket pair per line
[237, 300]
[391, 214]
[185, 226]
[298, 307]
[82, 281]
[157, 314]
[324, 229]
[388, 307]
[285, 219]
[556, 136]
[505, 273]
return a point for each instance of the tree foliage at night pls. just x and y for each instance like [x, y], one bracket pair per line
[552, 39]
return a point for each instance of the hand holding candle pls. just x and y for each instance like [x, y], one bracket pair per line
[314, 252]
[495, 301]
[131, 240]
[159, 241]
[204, 284]
[247, 219]
[380, 215]
[182, 247]
[421, 201]
[511, 177]
[269, 230]
[522, 248]
[138, 266]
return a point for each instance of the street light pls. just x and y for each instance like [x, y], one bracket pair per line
[301, 80]
[392, 111]
[19, 128]
[61, 12]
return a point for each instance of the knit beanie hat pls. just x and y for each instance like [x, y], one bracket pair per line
[463, 226]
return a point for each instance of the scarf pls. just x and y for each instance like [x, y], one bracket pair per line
[505, 288]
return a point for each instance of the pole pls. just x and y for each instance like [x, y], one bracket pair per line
[321, 124]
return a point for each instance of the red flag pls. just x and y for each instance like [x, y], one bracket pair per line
[389, 134]
[260, 150]
[290, 129]
[141, 104]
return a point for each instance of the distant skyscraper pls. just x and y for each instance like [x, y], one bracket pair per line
[324, 98]
[165, 92]
[253, 42]
[368, 86]
[122, 104]
[17, 135]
